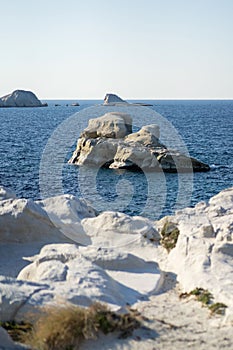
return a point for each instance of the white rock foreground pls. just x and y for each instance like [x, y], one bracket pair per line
[71, 254]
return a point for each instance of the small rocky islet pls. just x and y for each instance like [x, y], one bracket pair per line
[21, 98]
[108, 141]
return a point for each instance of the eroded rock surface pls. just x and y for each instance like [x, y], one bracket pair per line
[202, 257]
[123, 263]
[108, 141]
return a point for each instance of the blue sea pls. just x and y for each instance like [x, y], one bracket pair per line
[205, 127]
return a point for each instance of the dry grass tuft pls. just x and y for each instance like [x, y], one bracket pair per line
[16, 330]
[64, 328]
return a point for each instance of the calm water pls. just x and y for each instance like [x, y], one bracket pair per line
[206, 127]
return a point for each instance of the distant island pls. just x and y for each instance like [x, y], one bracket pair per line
[21, 98]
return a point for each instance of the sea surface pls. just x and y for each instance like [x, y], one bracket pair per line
[205, 127]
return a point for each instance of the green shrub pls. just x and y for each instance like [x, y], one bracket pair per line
[170, 234]
[205, 297]
[218, 308]
[202, 295]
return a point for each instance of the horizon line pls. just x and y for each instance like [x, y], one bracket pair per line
[144, 99]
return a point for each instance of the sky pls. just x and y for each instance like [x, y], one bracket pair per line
[148, 49]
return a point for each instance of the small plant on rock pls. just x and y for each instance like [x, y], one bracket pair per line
[218, 308]
[205, 297]
[170, 234]
[202, 295]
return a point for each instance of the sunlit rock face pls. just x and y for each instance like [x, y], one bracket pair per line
[109, 141]
[20, 98]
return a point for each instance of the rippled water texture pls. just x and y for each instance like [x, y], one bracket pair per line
[206, 127]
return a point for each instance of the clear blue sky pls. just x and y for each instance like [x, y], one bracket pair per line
[137, 49]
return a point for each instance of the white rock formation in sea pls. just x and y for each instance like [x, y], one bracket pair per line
[20, 98]
[112, 99]
[99, 141]
[108, 141]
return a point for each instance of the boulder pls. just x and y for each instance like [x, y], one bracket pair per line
[23, 221]
[147, 136]
[25, 226]
[114, 229]
[66, 212]
[112, 99]
[20, 98]
[94, 152]
[134, 156]
[111, 125]
[82, 276]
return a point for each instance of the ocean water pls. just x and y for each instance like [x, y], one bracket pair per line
[205, 127]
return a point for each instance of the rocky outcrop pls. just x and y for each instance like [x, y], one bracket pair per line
[99, 141]
[67, 270]
[202, 257]
[85, 275]
[20, 98]
[52, 220]
[108, 141]
[112, 99]
[124, 260]
[113, 125]
[111, 229]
